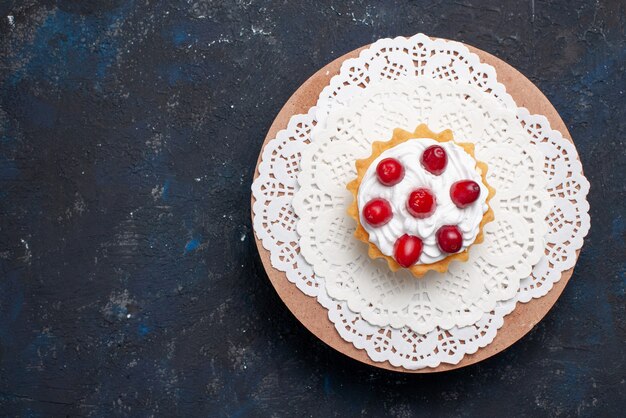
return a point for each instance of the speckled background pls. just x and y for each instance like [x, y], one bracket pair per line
[130, 284]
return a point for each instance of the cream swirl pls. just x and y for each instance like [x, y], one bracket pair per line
[461, 166]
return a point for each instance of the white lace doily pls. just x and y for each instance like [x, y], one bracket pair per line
[513, 241]
[275, 220]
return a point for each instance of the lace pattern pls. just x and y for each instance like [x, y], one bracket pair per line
[513, 242]
[275, 220]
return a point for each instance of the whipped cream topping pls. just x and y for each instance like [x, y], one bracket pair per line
[461, 166]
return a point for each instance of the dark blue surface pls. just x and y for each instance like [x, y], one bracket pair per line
[129, 280]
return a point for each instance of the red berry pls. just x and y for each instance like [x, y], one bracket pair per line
[390, 171]
[421, 203]
[449, 238]
[407, 250]
[377, 212]
[465, 192]
[434, 159]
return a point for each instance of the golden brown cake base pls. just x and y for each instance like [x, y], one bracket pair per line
[314, 317]
[400, 136]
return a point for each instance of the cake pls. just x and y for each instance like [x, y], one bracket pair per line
[421, 200]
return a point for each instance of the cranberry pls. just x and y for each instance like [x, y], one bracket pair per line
[465, 192]
[407, 250]
[421, 203]
[449, 238]
[377, 212]
[390, 171]
[434, 159]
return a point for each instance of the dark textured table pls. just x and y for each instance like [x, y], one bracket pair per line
[129, 280]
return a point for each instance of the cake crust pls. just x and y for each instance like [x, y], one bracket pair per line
[399, 136]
